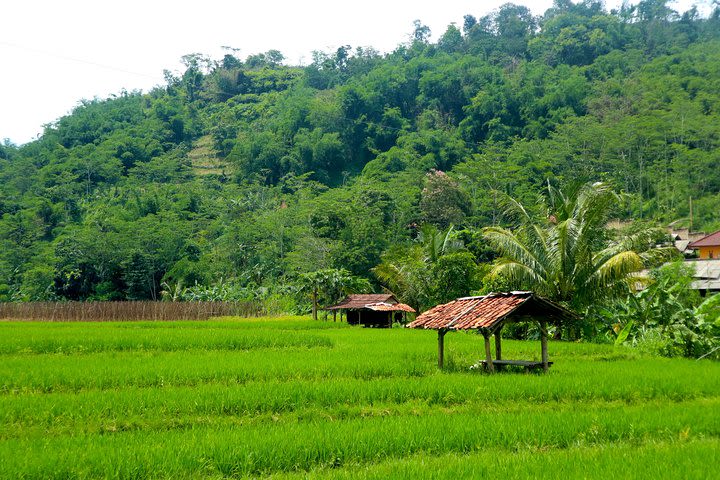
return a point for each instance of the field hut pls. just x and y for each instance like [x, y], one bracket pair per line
[488, 314]
[372, 310]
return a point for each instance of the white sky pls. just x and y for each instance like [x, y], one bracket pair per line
[54, 53]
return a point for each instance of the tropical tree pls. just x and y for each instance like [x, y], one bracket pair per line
[435, 243]
[329, 285]
[667, 317]
[442, 201]
[568, 255]
[419, 274]
[406, 272]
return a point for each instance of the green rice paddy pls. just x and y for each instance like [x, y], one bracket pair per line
[293, 398]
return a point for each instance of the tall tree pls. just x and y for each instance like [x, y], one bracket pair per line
[568, 256]
[443, 203]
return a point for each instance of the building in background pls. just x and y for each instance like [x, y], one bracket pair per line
[708, 247]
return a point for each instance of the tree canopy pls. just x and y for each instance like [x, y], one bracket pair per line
[566, 254]
[255, 172]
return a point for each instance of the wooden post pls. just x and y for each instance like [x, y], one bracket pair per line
[488, 355]
[314, 304]
[334, 315]
[498, 345]
[544, 345]
[390, 319]
[441, 347]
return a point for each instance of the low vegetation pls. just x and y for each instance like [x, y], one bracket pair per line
[295, 397]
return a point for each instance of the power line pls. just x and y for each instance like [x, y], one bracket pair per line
[76, 60]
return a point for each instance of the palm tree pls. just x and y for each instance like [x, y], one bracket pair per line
[568, 257]
[436, 243]
[407, 270]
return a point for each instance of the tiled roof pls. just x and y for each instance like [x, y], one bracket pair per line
[712, 240]
[484, 312]
[361, 300]
[389, 307]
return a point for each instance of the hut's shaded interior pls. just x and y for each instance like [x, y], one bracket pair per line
[372, 310]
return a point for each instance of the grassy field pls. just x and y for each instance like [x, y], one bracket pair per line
[293, 398]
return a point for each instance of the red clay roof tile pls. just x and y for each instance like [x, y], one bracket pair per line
[361, 300]
[389, 307]
[481, 312]
[712, 240]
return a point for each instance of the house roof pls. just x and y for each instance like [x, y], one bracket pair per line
[471, 313]
[362, 300]
[708, 269]
[711, 285]
[389, 307]
[682, 245]
[706, 275]
[712, 240]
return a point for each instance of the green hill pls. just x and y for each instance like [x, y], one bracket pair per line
[253, 172]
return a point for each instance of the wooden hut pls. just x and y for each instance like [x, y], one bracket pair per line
[372, 310]
[488, 314]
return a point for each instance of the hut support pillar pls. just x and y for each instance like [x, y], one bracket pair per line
[544, 345]
[441, 347]
[488, 355]
[498, 345]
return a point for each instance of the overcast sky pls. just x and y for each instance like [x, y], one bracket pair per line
[56, 52]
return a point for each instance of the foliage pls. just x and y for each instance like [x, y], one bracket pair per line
[442, 202]
[455, 275]
[434, 269]
[330, 286]
[220, 292]
[565, 255]
[250, 171]
[667, 317]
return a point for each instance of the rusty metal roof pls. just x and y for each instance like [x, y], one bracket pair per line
[362, 300]
[471, 313]
[389, 307]
[712, 240]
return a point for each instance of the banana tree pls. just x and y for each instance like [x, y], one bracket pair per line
[329, 285]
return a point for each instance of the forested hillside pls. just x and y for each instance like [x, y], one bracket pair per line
[245, 174]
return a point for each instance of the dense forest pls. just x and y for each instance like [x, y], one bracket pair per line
[243, 178]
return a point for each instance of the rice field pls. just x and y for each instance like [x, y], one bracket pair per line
[292, 398]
